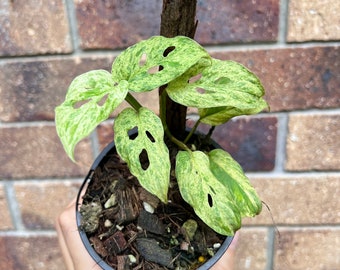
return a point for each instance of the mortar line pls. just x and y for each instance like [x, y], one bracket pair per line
[283, 21]
[270, 248]
[281, 138]
[14, 208]
[28, 233]
[73, 26]
[210, 48]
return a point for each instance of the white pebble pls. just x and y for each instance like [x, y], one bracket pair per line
[132, 259]
[148, 208]
[216, 245]
[108, 223]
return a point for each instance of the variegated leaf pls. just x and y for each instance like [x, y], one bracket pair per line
[149, 142]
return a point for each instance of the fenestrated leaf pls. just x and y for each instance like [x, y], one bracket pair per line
[231, 175]
[90, 100]
[158, 60]
[222, 84]
[155, 178]
[209, 198]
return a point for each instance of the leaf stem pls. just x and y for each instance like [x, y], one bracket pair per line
[133, 102]
[192, 131]
[162, 113]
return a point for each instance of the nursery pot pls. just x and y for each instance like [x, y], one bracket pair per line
[101, 159]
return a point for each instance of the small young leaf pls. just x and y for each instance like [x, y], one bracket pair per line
[156, 61]
[149, 142]
[209, 198]
[231, 175]
[222, 84]
[90, 100]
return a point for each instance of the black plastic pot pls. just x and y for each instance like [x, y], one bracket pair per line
[102, 159]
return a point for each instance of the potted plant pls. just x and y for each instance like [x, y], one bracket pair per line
[160, 164]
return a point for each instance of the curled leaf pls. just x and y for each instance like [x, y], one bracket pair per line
[205, 193]
[217, 189]
[231, 175]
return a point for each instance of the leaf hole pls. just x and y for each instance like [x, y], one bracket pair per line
[144, 160]
[155, 69]
[78, 104]
[195, 78]
[151, 138]
[168, 50]
[200, 90]
[210, 200]
[102, 101]
[142, 60]
[133, 133]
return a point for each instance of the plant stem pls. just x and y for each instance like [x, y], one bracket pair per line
[162, 114]
[178, 18]
[192, 131]
[133, 102]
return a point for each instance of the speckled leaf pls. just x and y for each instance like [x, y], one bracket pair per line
[90, 100]
[155, 176]
[209, 198]
[231, 175]
[156, 61]
[223, 84]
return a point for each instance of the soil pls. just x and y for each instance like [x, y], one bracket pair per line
[131, 229]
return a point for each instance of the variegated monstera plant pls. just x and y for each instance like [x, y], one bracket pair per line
[212, 183]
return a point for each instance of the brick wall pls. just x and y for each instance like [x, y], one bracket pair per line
[292, 154]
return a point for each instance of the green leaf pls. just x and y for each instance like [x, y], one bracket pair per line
[231, 175]
[157, 61]
[222, 84]
[220, 115]
[150, 143]
[90, 100]
[209, 197]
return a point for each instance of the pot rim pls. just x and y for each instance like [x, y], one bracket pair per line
[95, 256]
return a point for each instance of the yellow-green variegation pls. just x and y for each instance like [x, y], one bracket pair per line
[212, 183]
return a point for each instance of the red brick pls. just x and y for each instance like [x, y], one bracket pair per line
[233, 21]
[36, 152]
[5, 216]
[251, 249]
[313, 142]
[313, 20]
[294, 79]
[297, 200]
[34, 27]
[41, 201]
[118, 25]
[30, 90]
[307, 248]
[35, 252]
